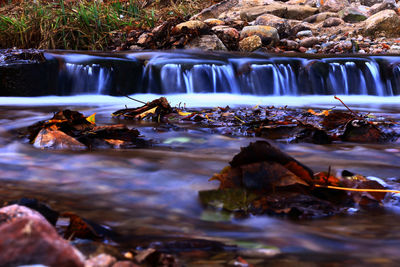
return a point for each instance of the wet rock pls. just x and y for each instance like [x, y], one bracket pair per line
[299, 12]
[332, 22]
[101, 260]
[228, 35]
[250, 44]
[320, 17]
[350, 14]
[281, 25]
[206, 42]
[250, 14]
[267, 34]
[290, 44]
[333, 5]
[214, 22]
[386, 4]
[56, 139]
[27, 238]
[190, 26]
[386, 21]
[309, 41]
[306, 33]
[360, 131]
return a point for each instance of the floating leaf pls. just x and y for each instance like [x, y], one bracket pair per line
[91, 118]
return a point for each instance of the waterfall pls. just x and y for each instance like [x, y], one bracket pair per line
[174, 72]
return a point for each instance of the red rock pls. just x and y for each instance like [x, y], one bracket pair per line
[302, 49]
[27, 238]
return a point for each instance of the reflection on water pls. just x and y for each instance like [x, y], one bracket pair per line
[149, 195]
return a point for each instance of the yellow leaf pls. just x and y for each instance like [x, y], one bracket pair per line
[91, 118]
[324, 112]
[184, 113]
[150, 111]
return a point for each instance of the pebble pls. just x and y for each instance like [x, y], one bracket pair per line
[306, 33]
[309, 41]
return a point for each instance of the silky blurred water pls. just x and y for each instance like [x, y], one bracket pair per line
[148, 195]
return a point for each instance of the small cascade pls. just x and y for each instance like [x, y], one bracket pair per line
[211, 72]
[87, 79]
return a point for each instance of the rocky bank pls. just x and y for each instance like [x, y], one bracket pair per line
[305, 26]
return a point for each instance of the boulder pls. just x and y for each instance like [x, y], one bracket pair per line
[206, 42]
[333, 5]
[332, 22]
[281, 25]
[191, 25]
[228, 35]
[215, 10]
[250, 14]
[386, 21]
[299, 12]
[267, 34]
[351, 14]
[28, 238]
[251, 43]
[320, 17]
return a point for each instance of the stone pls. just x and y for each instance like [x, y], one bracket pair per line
[214, 22]
[306, 33]
[281, 25]
[125, 264]
[250, 14]
[332, 22]
[351, 14]
[206, 42]
[386, 21]
[290, 44]
[56, 139]
[251, 43]
[299, 12]
[268, 34]
[300, 27]
[228, 35]
[28, 238]
[369, 2]
[333, 5]
[191, 25]
[386, 4]
[215, 10]
[309, 41]
[101, 260]
[320, 17]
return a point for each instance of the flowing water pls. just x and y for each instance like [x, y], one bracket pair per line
[151, 195]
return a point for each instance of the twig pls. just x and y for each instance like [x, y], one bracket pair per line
[355, 114]
[131, 98]
[358, 189]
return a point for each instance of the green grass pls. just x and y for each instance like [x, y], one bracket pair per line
[83, 25]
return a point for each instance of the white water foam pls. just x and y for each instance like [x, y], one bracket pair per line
[368, 103]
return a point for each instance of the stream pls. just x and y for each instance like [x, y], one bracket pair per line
[150, 196]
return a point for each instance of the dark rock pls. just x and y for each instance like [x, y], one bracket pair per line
[50, 215]
[332, 22]
[29, 239]
[290, 44]
[369, 2]
[228, 35]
